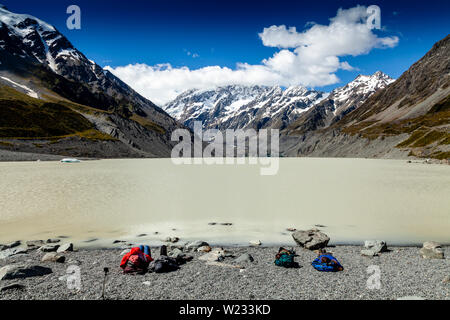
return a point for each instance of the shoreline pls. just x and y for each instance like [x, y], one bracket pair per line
[403, 273]
[17, 156]
[122, 242]
[94, 244]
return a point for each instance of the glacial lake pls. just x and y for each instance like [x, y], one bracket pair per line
[354, 199]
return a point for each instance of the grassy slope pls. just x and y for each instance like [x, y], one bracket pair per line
[427, 131]
[23, 117]
[76, 95]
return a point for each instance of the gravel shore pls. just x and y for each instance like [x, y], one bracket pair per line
[403, 273]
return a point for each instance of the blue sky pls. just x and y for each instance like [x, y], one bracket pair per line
[223, 33]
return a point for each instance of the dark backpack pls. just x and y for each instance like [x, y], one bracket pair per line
[285, 258]
[164, 264]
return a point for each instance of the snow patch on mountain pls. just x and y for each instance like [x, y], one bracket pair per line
[28, 91]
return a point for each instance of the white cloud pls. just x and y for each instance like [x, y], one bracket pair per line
[310, 58]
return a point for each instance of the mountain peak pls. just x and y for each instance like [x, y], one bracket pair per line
[20, 22]
[379, 75]
[340, 102]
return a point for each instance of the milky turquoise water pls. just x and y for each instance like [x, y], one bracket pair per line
[120, 199]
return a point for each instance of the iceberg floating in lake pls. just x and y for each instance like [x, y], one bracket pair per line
[70, 160]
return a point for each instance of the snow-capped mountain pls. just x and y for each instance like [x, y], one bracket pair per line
[29, 38]
[38, 60]
[36, 41]
[340, 102]
[356, 92]
[239, 107]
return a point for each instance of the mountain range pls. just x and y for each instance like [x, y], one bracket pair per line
[54, 100]
[258, 107]
[242, 107]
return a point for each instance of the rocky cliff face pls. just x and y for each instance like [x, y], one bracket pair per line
[36, 57]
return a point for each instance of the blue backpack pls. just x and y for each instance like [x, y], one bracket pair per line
[327, 263]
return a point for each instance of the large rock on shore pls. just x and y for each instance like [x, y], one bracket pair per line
[204, 249]
[65, 247]
[373, 248]
[53, 257]
[194, 245]
[178, 245]
[34, 244]
[53, 240]
[49, 248]
[176, 253]
[244, 258]
[18, 271]
[432, 250]
[255, 243]
[172, 239]
[312, 239]
[217, 254]
[11, 252]
[10, 245]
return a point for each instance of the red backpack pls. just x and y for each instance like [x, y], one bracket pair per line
[135, 261]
